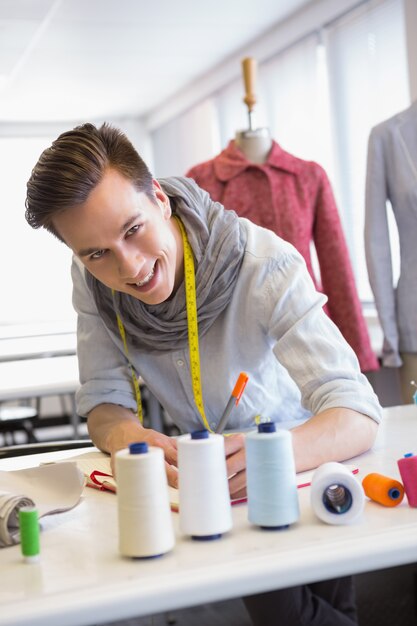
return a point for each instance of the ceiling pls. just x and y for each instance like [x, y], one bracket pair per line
[82, 59]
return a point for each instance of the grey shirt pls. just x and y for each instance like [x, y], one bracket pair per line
[392, 176]
[274, 328]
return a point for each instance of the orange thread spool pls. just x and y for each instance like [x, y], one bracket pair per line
[386, 491]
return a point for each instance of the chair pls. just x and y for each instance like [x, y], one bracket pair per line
[14, 418]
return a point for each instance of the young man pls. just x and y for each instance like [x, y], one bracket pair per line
[134, 240]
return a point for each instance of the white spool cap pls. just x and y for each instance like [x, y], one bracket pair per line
[337, 497]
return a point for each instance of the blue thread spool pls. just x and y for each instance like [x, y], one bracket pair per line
[271, 478]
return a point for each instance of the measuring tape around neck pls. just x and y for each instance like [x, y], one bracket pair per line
[192, 323]
[135, 381]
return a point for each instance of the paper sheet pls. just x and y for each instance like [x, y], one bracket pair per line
[52, 488]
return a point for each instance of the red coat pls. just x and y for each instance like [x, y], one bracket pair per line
[294, 198]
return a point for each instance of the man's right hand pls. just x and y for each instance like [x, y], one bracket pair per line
[113, 428]
[152, 438]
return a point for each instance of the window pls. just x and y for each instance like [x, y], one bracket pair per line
[188, 139]
[367, 64]
[36, 281]
[297, 100]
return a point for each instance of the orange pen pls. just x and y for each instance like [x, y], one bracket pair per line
[233, 400]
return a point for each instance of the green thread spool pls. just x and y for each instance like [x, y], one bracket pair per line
[29, 533]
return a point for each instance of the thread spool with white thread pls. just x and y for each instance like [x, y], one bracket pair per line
[337, 497]
[204, 499]
[271, 478]
[144, 513]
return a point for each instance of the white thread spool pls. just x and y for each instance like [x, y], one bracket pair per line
[337, 497]
[204, 500]
[145, 521]
[271, 478]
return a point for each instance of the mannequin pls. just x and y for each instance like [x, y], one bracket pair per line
[256, 178]
[255, 144]
[391, 176]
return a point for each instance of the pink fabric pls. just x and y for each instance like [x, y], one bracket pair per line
[294, 198]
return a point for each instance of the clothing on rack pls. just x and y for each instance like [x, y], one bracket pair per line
[293, 197]
[392, 176]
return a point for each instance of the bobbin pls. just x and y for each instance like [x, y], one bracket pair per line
[337, 497]
[382, 489]
[408, 470]
[144, 514]
[204, 499]
[29, 533]
[271, 478]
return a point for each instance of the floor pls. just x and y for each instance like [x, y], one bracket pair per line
[385, 598]
[230, 613]
[388, 597]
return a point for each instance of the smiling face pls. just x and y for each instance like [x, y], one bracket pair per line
[126, 240]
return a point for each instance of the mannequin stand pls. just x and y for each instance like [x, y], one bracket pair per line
[255, 144]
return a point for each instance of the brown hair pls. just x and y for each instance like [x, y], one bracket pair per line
[72, 167]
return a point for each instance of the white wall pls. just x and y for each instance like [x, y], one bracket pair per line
[301, 24]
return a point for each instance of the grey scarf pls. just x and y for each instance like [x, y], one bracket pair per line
[218, 241]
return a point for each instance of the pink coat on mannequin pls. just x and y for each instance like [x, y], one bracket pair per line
[294, 198]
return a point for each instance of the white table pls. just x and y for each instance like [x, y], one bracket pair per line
[37, 329]
[41, 377]
[40, 346]
[31, 378]
[55, 376]
[81, 579]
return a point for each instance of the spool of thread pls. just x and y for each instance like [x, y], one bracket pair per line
[337, 497]
[382, 489]
[271, 478]
[29, 533]
[204, 499]
[145, 521]
[408, 470]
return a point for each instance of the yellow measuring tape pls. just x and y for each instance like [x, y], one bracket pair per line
[192, 323]
[139, 409]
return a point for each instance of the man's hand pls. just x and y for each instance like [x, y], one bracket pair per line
[113, 428]
[158, 440]
[236, 465]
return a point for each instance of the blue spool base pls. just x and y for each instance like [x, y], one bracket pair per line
[394, 493]
[205, 537]
[275, 527]
[151, 556]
